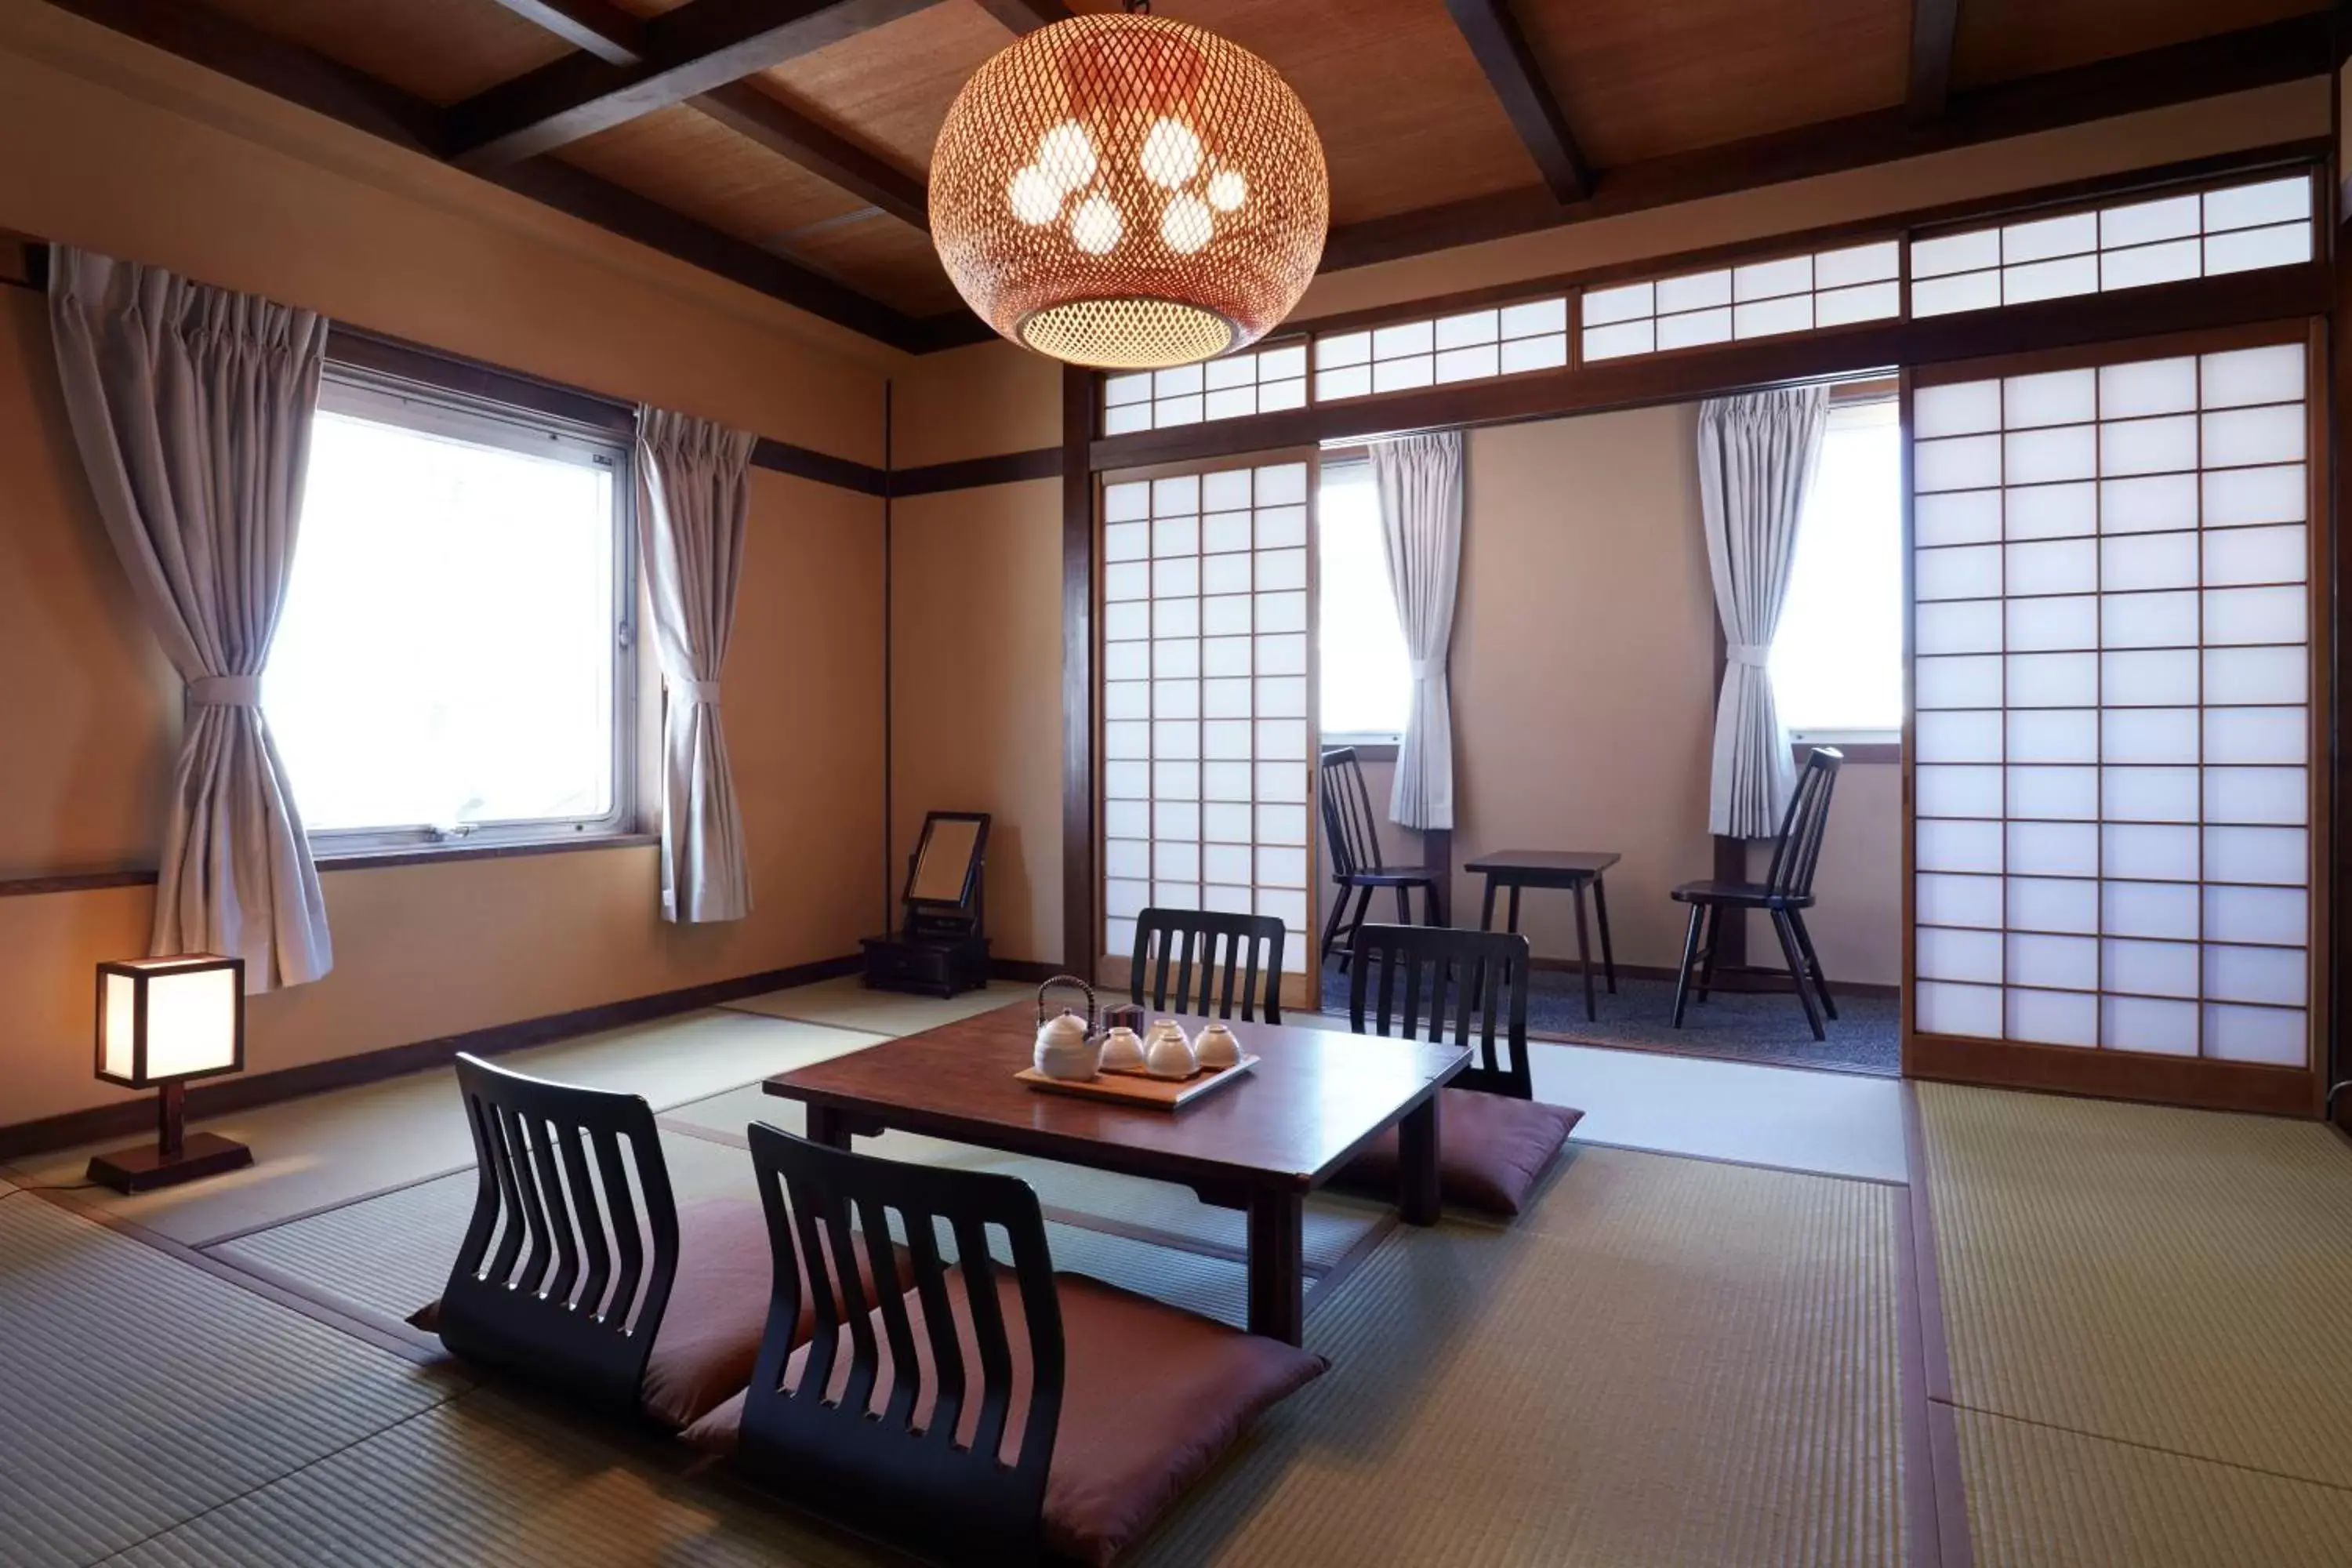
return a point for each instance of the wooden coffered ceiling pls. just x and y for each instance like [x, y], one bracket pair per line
[783, 143]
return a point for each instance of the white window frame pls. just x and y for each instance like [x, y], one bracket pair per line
[387, 400]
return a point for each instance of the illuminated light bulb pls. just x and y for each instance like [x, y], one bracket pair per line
[1095, 225]
[1227, 190]
[1171, 153]
[1066, 155]
[1034, 198]
[1187, 225]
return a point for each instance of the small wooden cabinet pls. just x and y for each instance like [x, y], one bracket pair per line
[941, 947]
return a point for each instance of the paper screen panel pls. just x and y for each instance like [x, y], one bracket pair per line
[2112, 740]
[1205, 737]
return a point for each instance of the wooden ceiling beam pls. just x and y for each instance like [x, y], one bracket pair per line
[1026, 16]
[604, 30]
[746, 110]
[1501, 49]
[287, 70]
[702, 45]
[1935, 30]
[2276, 52]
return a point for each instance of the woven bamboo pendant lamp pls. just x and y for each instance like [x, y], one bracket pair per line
[1124, 191]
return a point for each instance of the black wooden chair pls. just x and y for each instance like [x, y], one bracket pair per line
[580, 1270]
[1216, 961]
[973, 1406]
[1467, 989]
[1786, 893]
[1352, 831]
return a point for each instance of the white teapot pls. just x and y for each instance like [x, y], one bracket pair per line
[1169, 1054]
[1066, 1044]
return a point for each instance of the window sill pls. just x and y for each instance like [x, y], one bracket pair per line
[1366, 750]
[372, 859]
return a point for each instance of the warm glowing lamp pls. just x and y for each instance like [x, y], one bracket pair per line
[161, 1022]
[1124, 191]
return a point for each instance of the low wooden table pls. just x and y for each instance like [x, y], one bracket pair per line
[1315, 1099]
[1568, 868]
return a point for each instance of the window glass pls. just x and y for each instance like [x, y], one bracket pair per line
[1366, 678]
[452, 653]
[1837, 664]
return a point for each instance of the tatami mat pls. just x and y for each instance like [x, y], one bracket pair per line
[846, 1004]
[489, 1483]
[391, 1255]
[1674, 1363]
[333, 1148]
[137, 1391]
[2175, 1278]
[2040, 1498]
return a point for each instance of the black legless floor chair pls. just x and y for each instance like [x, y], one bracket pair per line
[1785, 893]
[969, 1404]
[1495, 1139]
[1216, 964]
[582, 1271]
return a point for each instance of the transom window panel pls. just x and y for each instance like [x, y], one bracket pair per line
[454, 661]
[1761, 300]
[1473, 345]
[2113, 735]
[1265, 381]
[1206, 717]
[2167, 239]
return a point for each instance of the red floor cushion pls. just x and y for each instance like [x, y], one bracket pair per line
[1491, 1151]
[1152, 1396]
[710, 1332]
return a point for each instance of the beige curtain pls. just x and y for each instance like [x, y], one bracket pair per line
[1420, 480]
[192, 409]
[1756, 456]
[696, 480]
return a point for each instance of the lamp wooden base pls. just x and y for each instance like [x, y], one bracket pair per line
[143, 1170]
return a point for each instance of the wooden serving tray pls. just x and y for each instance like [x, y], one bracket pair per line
[1130, 1088]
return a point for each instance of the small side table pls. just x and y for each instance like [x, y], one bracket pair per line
[1567, 869]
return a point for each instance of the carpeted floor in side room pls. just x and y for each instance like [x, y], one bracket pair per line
[1865, 1037]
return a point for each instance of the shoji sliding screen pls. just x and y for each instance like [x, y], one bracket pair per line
[1207, 702]
[2115, 806]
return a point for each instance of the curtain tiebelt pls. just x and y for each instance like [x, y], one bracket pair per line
[1424, 668]
[225, 690]
[703, 691]
[1754, 654]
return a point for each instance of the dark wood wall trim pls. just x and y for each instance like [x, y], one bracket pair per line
[2113, 1075]
[1081, 937]
[971, 473]
[221, 1097]
[2280, 294]
[2289, 50]
[842, 473]
[359, 860]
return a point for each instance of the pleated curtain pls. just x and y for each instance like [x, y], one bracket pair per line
[696, 479]
[1420, 483]
[1756, 457]
[191, 407]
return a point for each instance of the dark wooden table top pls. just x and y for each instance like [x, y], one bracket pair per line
[1556, 862]
[1314, 1100]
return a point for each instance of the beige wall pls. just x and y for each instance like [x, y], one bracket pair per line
[190, 173]
[976, 691]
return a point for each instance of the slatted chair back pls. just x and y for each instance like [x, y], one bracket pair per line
[1460, 987]
[1206, 962]
[566, 1267]
[1797, 851]
[1349, 825]
[941, 1447]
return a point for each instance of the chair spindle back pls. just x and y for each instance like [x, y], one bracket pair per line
[1463, 987]
[1218, 963]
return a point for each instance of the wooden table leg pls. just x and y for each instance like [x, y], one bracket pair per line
[1584, 959]
[1278, 1265]
[1417, 1197]
[828, 1126]
[1487, 914]
[1600, 912]
[1514, 906]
